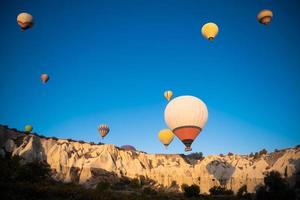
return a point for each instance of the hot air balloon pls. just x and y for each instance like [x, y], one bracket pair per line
[210, 30]
[168, 94]
[186, 116]
[128, 147]
[166, 136]
[103, 130]
[25, 21]
[265, 16]
[44, 78]
[28, 128]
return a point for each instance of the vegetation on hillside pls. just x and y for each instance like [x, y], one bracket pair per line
[33, 181]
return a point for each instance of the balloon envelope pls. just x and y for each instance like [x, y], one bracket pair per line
[28, 128]
[25, 20]
[166, 136]
[265, 16]
[186, 116]
[168, 94]
[128, 147]
[44, 78]
[210, 30]
[103, 130]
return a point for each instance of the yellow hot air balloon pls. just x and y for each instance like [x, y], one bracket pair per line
[265, 16]
[28, 128]
[166, 136]
[25, 20]
[186, 116]
[168, 94]
[103, 130]
[210, 30]
[44, 78]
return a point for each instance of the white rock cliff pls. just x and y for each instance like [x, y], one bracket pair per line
[88, 164]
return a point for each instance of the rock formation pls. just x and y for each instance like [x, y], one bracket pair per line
[87, 164]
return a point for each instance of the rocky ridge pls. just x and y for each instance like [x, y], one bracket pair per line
[87, 163]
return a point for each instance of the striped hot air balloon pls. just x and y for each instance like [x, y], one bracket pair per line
[168, 94]
[103, 130]
[186, 116]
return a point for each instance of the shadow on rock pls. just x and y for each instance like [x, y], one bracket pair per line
[221, 171]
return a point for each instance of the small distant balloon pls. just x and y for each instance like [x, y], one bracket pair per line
[128, 147]
[265, 16]
[45, 78]
[168, 94]
[25, 21]
[166, 136]
[103, 130]
[210, 30]
[28, 128]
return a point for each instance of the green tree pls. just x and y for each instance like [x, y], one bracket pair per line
[102, 186]
[191, 191]
[34, 172]
[275, 188]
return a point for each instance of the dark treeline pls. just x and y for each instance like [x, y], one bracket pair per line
[33, 181]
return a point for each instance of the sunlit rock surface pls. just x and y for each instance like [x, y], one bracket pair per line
[88, 164]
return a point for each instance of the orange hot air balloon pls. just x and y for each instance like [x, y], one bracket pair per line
[25, 20]
[186, 116]
[44, 78]
[103, 130]
[265, 17]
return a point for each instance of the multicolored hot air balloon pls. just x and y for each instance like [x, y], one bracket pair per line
[186, 116]
[128, 147]
[168, 94]
[265, 16]
[210, 30]
[103, 130]
[28, 128]
[25, 21]
[166, 136]
[45, 78]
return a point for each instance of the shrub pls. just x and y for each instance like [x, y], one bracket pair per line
[243, 193]
[275, 188]
[256, 155]
[183, 186]
[251, 155]
[218, 190]
[263, 152]
[34, 172]
[149, 191]
[135, 183]
[230, 154]
[102, 186]
[196, 156]
[192, 191]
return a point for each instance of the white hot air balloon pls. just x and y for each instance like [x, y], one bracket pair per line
[186, 116]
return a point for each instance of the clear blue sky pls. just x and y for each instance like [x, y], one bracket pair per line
[110, 62]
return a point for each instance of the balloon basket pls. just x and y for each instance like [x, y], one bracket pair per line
[188, 149]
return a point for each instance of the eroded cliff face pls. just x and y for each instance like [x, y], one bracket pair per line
[88, 164]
